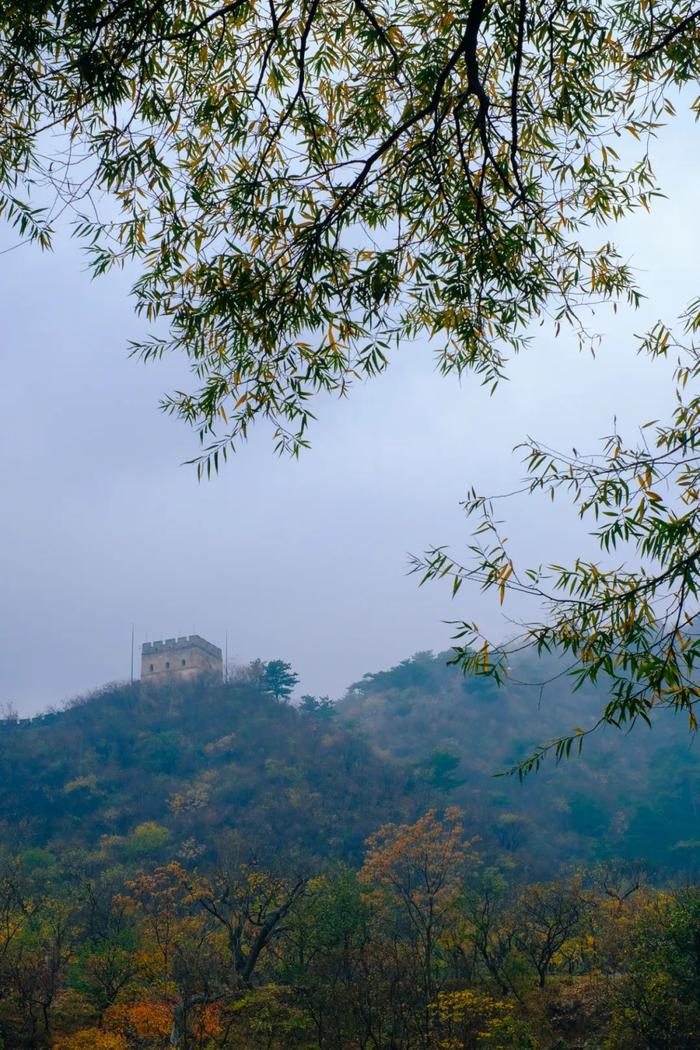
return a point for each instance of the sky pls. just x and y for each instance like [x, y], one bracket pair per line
[103, 526]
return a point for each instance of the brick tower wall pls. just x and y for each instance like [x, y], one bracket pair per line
[180, 659]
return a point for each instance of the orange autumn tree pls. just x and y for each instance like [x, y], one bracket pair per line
[149, 1023]
[416, 871]
[185, 966]
[206, 937]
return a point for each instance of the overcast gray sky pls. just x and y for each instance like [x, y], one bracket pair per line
[102, 525]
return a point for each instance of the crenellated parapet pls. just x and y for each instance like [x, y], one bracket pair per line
[174, 644]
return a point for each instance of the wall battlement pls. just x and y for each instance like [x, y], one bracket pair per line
[175, 644]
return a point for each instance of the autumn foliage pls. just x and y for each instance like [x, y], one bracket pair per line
[423, 948]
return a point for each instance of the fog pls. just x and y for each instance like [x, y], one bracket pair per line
[103, 526]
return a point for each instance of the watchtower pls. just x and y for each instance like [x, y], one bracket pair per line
[180, 659]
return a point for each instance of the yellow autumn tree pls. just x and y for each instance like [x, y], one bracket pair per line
[92, 1039]
[417, 872]
[474, 1020]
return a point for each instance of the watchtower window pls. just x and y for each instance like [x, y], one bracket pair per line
[167, 664]
[151, 667]
[183, 662]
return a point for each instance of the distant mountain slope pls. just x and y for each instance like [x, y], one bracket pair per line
[635, 795]
[132, 771]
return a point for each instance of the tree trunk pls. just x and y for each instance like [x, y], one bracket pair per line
[178, 1032]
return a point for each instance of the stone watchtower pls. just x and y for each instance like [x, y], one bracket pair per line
[180, 659]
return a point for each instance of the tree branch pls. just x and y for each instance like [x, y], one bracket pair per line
[668, 37]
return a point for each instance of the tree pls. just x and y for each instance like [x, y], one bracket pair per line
[629, 624]
[321, 708]
[106, 964]
[473, 1020]
[327, 951]
[547, 916]
[418, 869]
[491, 929]
[657, 1002]
[440, 768]
[92, 1039]
[279, 679]
[40, 955]
[249, 906]
[303, 185]
[207, 936]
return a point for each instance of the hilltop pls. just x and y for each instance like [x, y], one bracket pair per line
[140, 773]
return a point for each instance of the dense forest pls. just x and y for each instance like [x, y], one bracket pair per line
[130, 769]
[208, 865]
[633, 794]
[316, 778]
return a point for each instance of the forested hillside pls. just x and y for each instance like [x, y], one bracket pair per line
[138, 773]
[206, 866]
[633, 794]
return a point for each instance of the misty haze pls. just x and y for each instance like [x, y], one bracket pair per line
[351, 536]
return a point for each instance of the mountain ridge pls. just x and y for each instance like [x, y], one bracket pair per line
[148, 772]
